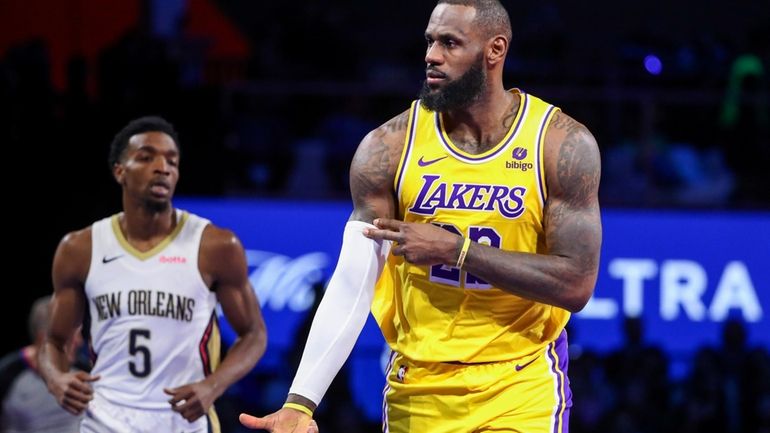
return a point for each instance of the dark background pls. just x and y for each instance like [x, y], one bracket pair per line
[271, 98]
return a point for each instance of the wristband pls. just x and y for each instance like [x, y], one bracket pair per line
[463, 253]
[300, 408]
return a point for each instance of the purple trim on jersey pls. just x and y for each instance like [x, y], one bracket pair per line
[538, 154]
[388, 369]
[92, 353]
[557, 353]
[495, 153]
[409, 146]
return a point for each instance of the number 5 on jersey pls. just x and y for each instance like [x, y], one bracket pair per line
[140, 366]
[454, 276]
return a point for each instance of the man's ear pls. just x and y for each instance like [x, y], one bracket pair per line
[497, 49]
[118, 172]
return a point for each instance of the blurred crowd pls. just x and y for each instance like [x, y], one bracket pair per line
[726, 389]
[275, 100]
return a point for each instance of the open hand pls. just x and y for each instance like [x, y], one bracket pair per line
[285, 420]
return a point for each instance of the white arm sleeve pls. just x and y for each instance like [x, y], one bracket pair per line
[342, 313]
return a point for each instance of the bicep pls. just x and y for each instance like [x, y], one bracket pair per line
[233, 290]
[240, 307]
[572, 219]
[69, 300]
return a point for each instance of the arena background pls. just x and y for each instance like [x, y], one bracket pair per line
[271, 99]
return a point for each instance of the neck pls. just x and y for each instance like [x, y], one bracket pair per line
[141, 223]
[483, 124]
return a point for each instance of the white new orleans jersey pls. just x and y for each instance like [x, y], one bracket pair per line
[152, 319]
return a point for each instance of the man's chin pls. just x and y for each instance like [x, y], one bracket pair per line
[430, 95]
[156, 204]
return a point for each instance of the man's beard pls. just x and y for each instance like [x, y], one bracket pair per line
[156, 206]
[457, 94]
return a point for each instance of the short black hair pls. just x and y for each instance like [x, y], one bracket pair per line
[490, 16]
[139, 126]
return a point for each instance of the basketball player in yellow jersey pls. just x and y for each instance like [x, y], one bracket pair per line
[489, 198]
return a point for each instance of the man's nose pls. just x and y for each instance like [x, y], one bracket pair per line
[162, 166]
[433, 55]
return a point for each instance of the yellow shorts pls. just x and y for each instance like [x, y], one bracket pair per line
[524, 396]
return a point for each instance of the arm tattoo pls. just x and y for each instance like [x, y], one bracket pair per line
[398, 123]
[373, 169]
[577, 170]
[572, 222]
[562, 121]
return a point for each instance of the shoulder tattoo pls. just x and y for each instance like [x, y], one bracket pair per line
[577, 167]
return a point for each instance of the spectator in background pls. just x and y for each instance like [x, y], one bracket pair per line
[639, 374]
[745, 126]
[757, 391]
[589, 384]
[728, 389]
[26, 404]
[341, 131]
[735, 377]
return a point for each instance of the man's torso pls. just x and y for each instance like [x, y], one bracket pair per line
[441, 313]
[152, 321]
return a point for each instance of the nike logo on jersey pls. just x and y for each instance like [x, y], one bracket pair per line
[520, 367]
[423, 163]
[106, 259]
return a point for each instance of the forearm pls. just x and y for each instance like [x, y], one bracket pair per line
[240, 359]
[551, 279]
[341, 314]
[52, 361]
[333, 334]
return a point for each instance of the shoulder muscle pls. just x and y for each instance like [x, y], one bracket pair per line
[373, 169]
[221, 255]
[572, 162]
[72, 259]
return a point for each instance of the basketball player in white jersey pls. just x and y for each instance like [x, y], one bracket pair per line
[146, 282]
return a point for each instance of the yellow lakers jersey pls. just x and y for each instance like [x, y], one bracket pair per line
[441, 313]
